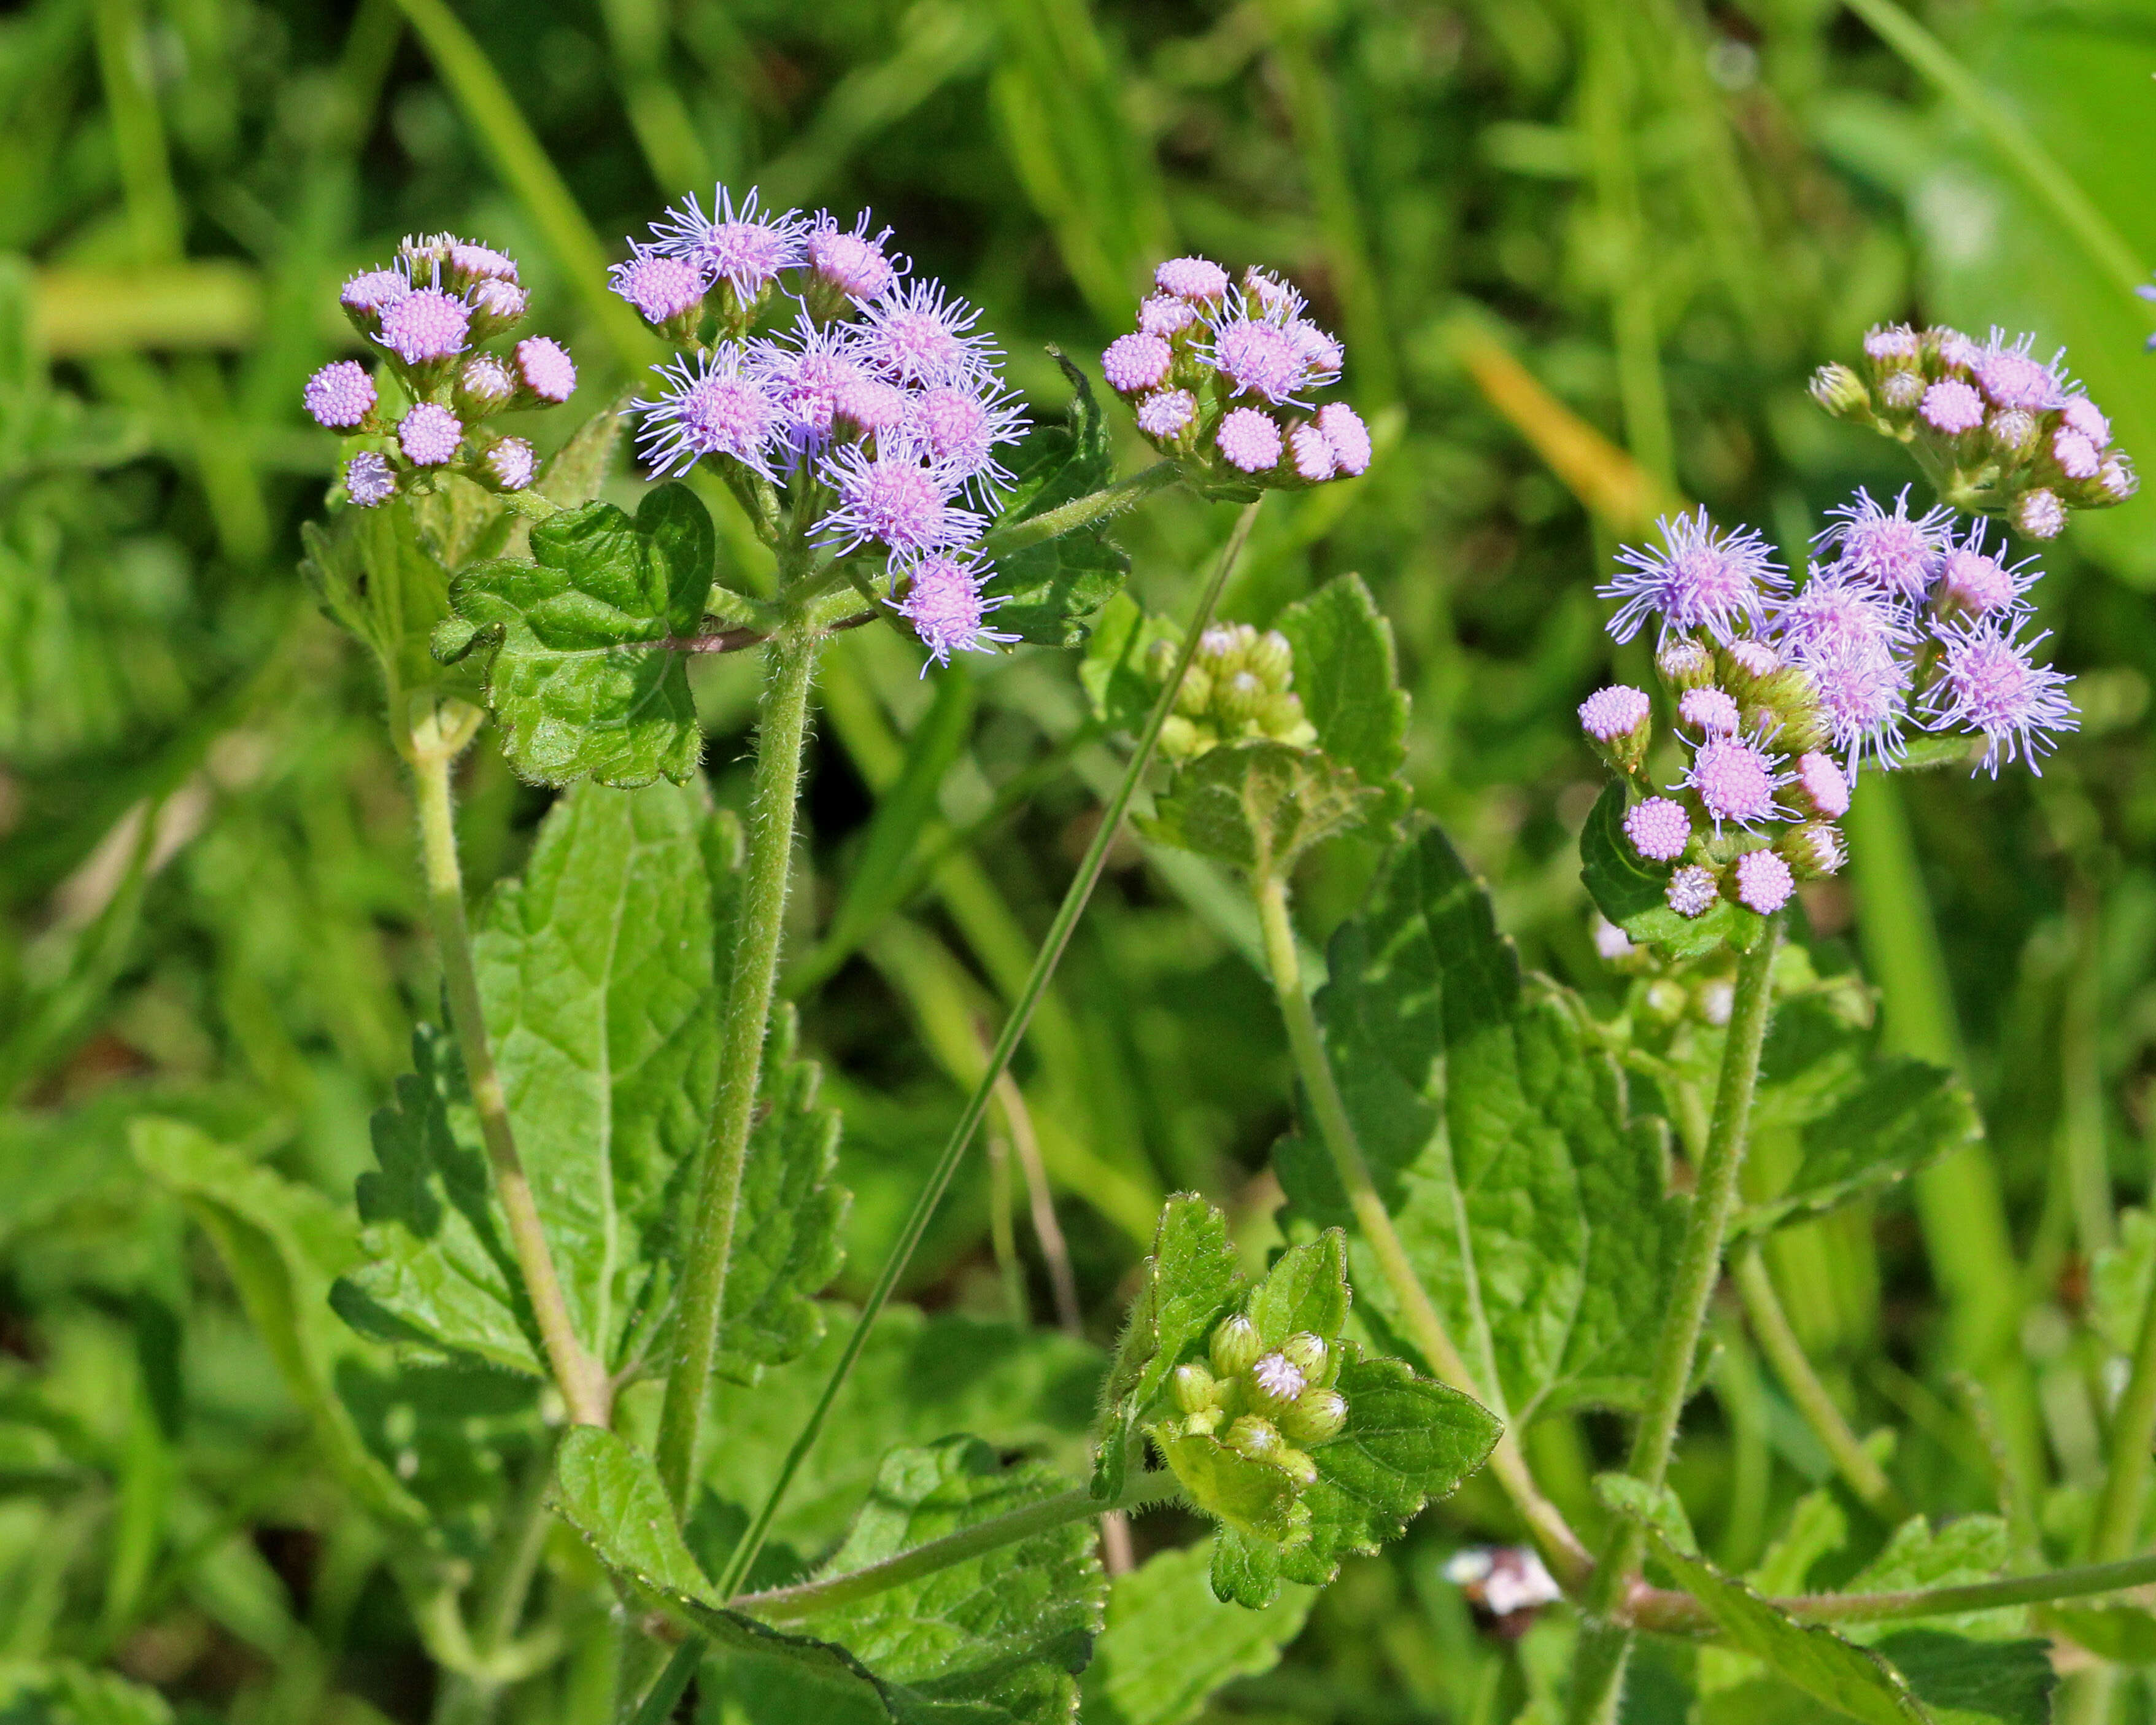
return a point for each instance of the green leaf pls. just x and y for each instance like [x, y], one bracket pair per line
[1305, 1289]
[1632, 892]
[1407, 1441]
[595, 972]
[282, 1244]
[1848, 1678]
[439, 1276]
[1249, 1498]
[2120, 1281]
[1259, 805]
[1192, 1282]
[919, 1378]
[1968, 1682]
[786, 1243]
[1048, 589]
[2123, 1634]
[370, 571]
[1659, 1508]
[1966, 1550]
[1348, 679]
[1170, 1643]
[581, 465]
[995, 1639]
[1113, 671]
[1856, 1121]
[1531, 1206]
[1007, 1631]
[576, 670]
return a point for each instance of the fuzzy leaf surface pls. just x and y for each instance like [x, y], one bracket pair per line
[1170, 1643]
[1973, 1682]
[575, 669]
[1193, 1280]
[1349, 678]
[1048, 589]
[1259, 805]
[1830, 1668]
[1530, 1204]
[1858, 1121]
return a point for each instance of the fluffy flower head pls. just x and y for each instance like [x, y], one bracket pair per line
[426, 324]
[1659, 828]
[851, 261]
[1898, 555]
[1196, 279]
[735, 245]
[918, 334]
[2013, 377]
[513, 462]
[1167, 414]
[1700, 579]
[1736, 780]
[1691, 892]
[1951, 406]
[946, 608]
[1988, 683]
[1350, 438]
[1249, 440]
[1710, 710]
[1136, 362]
[340, 395]
[658, 284]
[718, 405]
[429, 435]
[1763, 881]
[894, 500]
[368, 479]
[1616, 711]
[545, 368]
[1822, 784]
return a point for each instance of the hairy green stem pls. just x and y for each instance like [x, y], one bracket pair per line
[1561, 1548]
[1605, 1639]
[1667, 1612]
[783, 729]
[1083, 511]
[1021, 1014]
[789, 1604]
[1778, 1341]
[577, 1372]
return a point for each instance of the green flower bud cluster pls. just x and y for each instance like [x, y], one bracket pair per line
[1997, 431]
[1263, 1405]
[1236, 690]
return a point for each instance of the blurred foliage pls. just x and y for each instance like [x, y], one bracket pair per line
[1634, 226]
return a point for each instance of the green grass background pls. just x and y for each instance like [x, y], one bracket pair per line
[1667, 213]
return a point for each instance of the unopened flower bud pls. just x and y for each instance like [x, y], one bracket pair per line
[1180, 739]
[1312, 1356]
[1900, 391]
[2013, 432]
[1821, 786]
[1195, 697]
[1195, 1387]
[2040, 514]
[1814, 850]
[1217, 647]
[1296, 1466]
[1665, 999]
[1255, 1436]
[1282, 716]
[1841, 392]
[1272, 658]
[1239, 699]
[1235, 1347]
[1684, 663]
[1619, 719]
[1317, 1416]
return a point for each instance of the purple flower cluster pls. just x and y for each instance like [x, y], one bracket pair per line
[427, 315]
[879, 403]
[1906, 621]
[1221, 374]
[1996, 430]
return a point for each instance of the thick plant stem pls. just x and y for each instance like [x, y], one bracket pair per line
[790, 669]
[977, 1105]
[1778, 1341]
[1605, 1642]
[1560, 1546]
[577, 1374]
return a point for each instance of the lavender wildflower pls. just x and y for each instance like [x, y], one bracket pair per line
[853, 263]
[1659, 829]
[2082, 415]
[718, 405]
[369, 479]
[371, 291]
[1988, 683]
[484, 385]
[1977, 581]
[547, 369]
[944, 603]
[341, 396]
[894, 500]
[1822, 783]
[1894, 552]
[1198, 280]
[426, 324]
[1862, 692]
[1952, 406]
[1248, 439]
[1711, 710]
[2041, 514]
[1614, 712]
[661, 286]
[512, 463]
[1344, 429]
[809, 369]
[1257, 356]
[468, 259]
[918, 334]
[959, 430]
[872, 405]
[1691, 892]
[1763, 881]
[429, 435]
[2013, 378]
[1136, 363]
[1167, 414]
[741, 247]
[1311, 453]
[1164, 316]
[1700, 580]
[1736, 780]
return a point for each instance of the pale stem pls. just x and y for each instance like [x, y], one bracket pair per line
[1041, 1203]
[1002, 1232]
[579, 1374]
[1605, 1640]
[790, 670]
[977, 1105]
[1778, 1341]
[1561, 1548]
[1094, 506]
